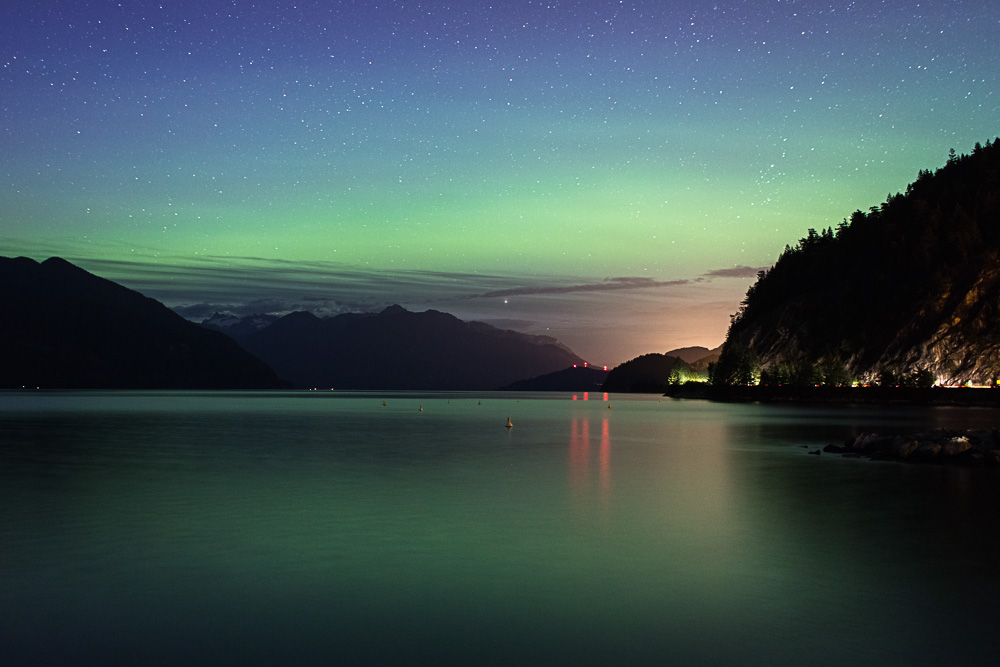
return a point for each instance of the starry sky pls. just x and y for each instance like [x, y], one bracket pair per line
[613, 173]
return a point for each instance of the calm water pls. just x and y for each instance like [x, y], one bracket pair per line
[180, 528]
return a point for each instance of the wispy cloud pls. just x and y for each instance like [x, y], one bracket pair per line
[198, 287]
[736, 272]
[610, 284]
[619, 283]
[253, 284]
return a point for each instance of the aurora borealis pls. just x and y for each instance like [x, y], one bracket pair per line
[611, 173]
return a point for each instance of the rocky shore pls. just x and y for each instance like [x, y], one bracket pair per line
[971, 448]
[959, 396]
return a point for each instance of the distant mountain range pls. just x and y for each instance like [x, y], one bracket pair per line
[396, 349]
[239, 327]
[62, 327]
[905, 293]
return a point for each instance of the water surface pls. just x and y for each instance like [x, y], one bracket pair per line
[329, 528]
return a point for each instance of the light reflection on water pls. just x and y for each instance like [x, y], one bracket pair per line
[321, 528]
[580, 458]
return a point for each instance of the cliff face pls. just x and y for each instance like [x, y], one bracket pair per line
[910, 287]
[964, 325]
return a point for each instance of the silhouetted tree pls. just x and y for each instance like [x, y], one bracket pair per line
[738, 365]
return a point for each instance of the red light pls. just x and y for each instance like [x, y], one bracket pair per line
[585, 364]
[574, 365]
[605, 368]
[586, 395]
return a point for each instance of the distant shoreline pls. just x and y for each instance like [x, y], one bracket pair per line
[930, 396]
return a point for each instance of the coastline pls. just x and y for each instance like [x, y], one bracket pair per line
[964, 447]
[930, 396]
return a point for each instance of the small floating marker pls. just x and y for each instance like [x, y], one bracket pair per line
[421, 408]
[480, 402]
[383, 404]
[509, 423]
[609, 406]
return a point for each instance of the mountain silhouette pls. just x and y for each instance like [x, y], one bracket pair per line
[648, 373]
[399, 349]
[695, 355]
[63, 327]
[574, 378]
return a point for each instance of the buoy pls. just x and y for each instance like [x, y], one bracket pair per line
[509, 424]
[383, 404]
[421, 408]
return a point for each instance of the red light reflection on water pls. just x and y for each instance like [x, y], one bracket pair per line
[580, 458]
[605, 459]
[579, 452]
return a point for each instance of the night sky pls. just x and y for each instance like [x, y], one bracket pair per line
[611, 173]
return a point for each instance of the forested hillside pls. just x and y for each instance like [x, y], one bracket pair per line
[907, 292]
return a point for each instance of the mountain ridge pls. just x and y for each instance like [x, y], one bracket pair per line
[64, 327]
[399, 349]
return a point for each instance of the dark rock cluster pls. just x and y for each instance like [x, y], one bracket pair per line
[972, 447]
